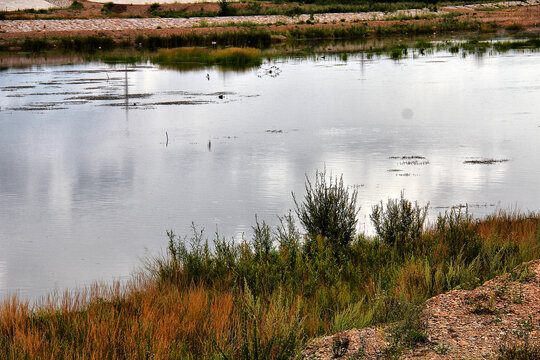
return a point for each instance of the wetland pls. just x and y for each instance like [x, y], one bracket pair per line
[99, 159]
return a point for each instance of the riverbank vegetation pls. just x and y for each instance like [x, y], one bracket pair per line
[258, 37]
[263, 297]
[193, 57]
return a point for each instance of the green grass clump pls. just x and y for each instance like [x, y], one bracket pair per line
[230, 57]
[513, 27]
[504, 46]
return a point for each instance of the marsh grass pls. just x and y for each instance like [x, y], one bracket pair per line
[296, 40]
[257, 38]
[261, 298]
[229, 57]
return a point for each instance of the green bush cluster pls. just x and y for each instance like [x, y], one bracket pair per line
[329, 211]
[401, 223]
[107, 7]
[346, 279]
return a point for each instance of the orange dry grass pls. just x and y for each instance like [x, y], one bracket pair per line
[103, 322]
[509, 226]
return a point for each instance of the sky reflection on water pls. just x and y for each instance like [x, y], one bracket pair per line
[88, 186]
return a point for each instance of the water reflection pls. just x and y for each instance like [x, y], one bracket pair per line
[3, 275]
[87, 186]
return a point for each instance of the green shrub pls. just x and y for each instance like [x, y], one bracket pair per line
[107, 7]
[225, 9]
[75, 5]
[401, 222]
[153, 8]
[328, 211]
[254, 7]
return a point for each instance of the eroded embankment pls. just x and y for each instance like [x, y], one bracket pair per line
[500, 316]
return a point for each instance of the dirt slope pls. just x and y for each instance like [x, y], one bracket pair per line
[461, 324]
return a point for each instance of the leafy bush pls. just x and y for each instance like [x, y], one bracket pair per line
[107, 7]
[328, 211]
[400, 223]
[75, 5]
[153, 8]
[225, 9]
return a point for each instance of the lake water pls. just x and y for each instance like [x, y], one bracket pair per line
[89, 183]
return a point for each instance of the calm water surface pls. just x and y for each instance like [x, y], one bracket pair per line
[89, 184]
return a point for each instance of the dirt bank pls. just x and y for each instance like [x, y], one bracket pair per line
[477, 324]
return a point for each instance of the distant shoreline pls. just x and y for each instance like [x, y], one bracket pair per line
[124, 23]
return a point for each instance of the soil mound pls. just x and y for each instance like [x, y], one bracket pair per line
[499, 318]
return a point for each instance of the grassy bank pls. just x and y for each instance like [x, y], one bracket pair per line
[247, 35]
[262, 297]
[244, 58]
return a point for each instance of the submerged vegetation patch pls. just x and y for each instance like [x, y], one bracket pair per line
[485, 161]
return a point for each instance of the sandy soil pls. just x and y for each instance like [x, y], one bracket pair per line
[14, 5]
[460, 324]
